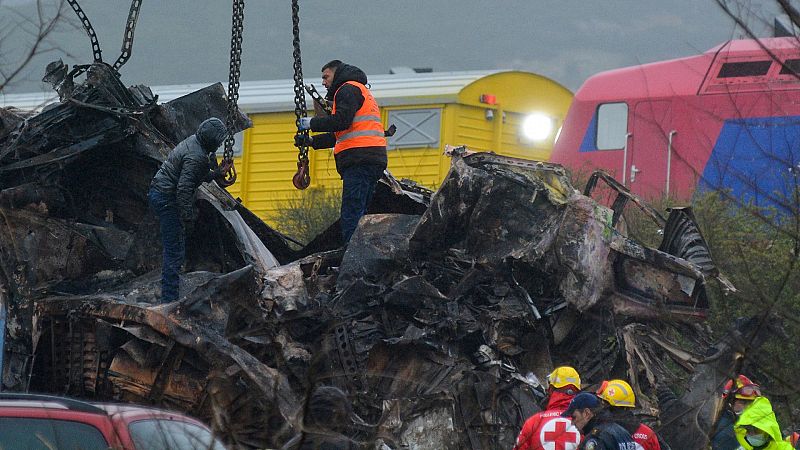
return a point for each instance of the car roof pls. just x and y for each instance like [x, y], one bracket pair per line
[22, 400]
[130, 413]
[127, 412]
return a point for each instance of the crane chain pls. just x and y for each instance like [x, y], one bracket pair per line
[237, 24]
[127, 39]
[301, 179]
[87, 25]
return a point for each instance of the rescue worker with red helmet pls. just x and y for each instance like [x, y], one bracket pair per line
[621, 400]
[794, 440]
[737, 395]
[548, 429]
[757, 428]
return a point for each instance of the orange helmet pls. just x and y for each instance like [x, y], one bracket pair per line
[793, 439]
[617, 393]
[744, 389]
[564, 376]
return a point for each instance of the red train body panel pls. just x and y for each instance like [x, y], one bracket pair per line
[726, 119]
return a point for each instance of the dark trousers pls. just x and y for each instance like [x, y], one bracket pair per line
[358, 185]
[172, 241]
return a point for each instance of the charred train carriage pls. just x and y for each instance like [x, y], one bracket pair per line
[728, 119]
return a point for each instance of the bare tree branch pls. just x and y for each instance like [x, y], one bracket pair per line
[39, 28]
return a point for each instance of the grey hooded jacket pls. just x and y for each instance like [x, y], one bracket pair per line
[188, 165]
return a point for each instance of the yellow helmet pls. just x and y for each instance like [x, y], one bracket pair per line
[564, 376]
[617, 393]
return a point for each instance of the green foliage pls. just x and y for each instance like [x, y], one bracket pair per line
[758, 252]
[754, 251]
[304, 217]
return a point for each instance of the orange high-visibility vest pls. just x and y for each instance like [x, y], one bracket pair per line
[366, 129]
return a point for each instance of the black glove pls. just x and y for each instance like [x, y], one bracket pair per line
[303, 140]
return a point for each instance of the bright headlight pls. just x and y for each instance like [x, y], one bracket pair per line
[537, 127]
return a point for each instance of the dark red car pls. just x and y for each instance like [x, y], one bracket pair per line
[33, 422]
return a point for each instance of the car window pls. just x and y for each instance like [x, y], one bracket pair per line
[171, 435]
[47, 434]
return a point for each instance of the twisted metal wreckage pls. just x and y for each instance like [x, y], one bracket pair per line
[438, 320]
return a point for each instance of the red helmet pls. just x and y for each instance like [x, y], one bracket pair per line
[793, 439]
[745, 389]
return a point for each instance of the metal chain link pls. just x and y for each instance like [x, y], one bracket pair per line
[127, 39]
[299, 93]
[233, 74]
[98, 54]
[302, 179]
[237, 24]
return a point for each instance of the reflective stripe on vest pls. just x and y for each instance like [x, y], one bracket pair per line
[366, 130]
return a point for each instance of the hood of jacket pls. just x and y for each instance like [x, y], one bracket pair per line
[759, 414]
[343, 74]
[559, 401]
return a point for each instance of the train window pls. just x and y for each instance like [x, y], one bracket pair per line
[415, 128]
[791, 67]
[744, 69]
[612, 126]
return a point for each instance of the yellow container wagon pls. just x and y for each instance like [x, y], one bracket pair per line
[498, 111]
[511, 112]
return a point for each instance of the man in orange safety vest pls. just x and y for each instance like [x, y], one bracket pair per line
[355, 131]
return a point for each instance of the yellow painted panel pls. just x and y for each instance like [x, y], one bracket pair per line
[513, 144]
[268, 163]
[472, 129]
[269, 159]
[521, 92]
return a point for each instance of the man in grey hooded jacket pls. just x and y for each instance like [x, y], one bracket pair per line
[172, 192]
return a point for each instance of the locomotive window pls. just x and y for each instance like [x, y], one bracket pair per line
[791, 67]
[612, 126]
[744, 69]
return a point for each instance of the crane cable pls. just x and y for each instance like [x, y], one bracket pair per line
[302, 178]
[237, 24]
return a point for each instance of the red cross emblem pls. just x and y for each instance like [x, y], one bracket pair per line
[559, 434]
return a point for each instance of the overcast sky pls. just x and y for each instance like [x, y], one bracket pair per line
[188, 41]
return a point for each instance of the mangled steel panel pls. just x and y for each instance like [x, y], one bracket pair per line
[582, 252]
[168, 374]
[500, 208]
[652, 283]
[497, 207]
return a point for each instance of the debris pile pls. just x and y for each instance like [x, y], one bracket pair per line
[439, 320]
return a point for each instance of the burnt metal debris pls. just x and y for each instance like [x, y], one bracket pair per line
[439, 320]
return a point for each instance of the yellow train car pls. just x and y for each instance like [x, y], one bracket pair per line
[513, 113]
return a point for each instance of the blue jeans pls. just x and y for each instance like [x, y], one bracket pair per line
[358, 185]
[172, 241]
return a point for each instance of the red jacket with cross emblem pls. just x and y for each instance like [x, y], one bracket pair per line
[547, 430]
[646, 437]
